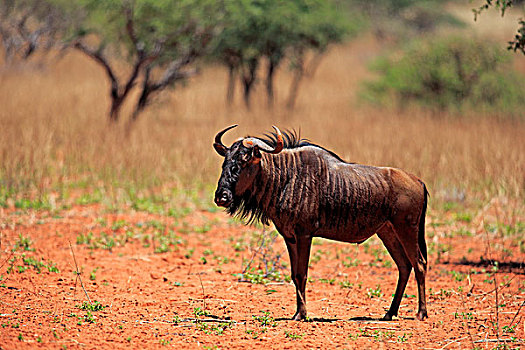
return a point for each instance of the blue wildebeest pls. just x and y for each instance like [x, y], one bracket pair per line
[308, 191]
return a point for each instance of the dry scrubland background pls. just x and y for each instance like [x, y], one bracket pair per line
[55, 137]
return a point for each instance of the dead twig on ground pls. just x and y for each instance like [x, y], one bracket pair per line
[78, 273]
[466, 323]
[517, 313]
[203, 294]
[498, 340]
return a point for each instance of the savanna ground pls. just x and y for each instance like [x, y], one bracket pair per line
[110, 239]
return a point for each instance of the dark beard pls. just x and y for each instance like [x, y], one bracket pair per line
[247, 207]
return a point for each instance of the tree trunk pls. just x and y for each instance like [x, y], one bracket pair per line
[249, 78]
[114, 112]
[294, 87]
[144, 95]
[269, 82]
[231, 85]
[141, 104]
[247, 93]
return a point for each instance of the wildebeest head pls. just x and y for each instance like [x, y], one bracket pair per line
[241, 164]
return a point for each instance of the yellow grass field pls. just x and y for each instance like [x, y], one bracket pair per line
[55, 132]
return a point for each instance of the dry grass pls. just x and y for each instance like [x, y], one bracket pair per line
[54, 131]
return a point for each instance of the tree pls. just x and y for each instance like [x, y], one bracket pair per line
[272, 31]
[28, 26]
[319, 26]
[160, 39]
[516, 44]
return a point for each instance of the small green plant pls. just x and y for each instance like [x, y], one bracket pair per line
[458, 276]
[377, 334]
[375, 293]
[316, 256]
[349, 262]
[85, 238]
[254, 334]
[197, 311]
[202, 229]
[164, 342]
[346, 284]
[28, 203]
[89, 317]
[443, 293]
[464, 315]
[330, 281]
[509, 329]
[239, 246]
[117, 225]
[219, 328]
[30, 262]
[210, 347]
[94, 306]
[92, 274]
[404, 337]
[265, 320]
[259, 276]
[189, 253]
[24, 243]
[293, 335]
[465, 217]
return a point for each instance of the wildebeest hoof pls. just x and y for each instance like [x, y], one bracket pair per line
[387, 317]
[422, 314]
[299, 316]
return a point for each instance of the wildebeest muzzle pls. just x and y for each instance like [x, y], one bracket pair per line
[223, 197]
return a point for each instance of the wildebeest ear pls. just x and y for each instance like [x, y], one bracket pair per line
[220, 149]
[257, 152]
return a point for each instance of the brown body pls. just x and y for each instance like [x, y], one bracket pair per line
[309, 192]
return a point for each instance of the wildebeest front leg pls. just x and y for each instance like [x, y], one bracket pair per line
[299, 252]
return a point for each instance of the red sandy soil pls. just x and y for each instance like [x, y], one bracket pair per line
[193, 300]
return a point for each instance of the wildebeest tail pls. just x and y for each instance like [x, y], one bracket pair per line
[421, 234]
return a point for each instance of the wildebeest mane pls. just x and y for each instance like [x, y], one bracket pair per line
[292, 139]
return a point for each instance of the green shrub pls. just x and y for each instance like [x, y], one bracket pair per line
[453, 74]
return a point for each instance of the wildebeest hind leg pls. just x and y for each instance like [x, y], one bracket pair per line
[394, 247]
[407, 235]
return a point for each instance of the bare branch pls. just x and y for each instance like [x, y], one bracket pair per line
[174, 72]
[130, 29]
[100, 59]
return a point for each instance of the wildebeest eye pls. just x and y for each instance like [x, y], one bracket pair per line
[235, 168]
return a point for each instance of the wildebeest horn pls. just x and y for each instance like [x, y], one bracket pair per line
[219, 147]
[252, 141]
